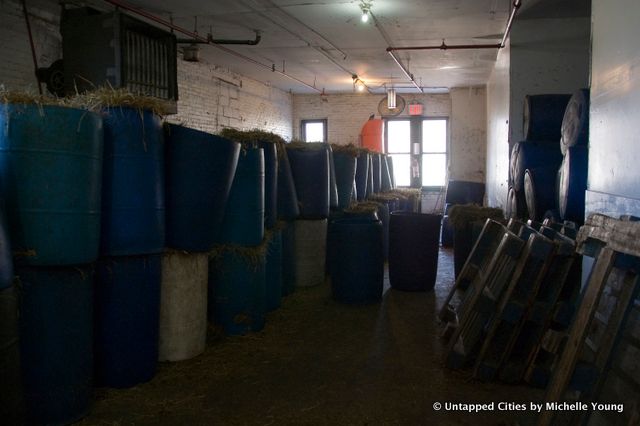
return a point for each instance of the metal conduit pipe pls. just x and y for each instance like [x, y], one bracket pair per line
[405, 71]
[444, 46]
[198, 37]
[211, 40]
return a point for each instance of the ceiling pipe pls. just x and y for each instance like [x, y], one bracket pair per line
[211, 40]
[405, 71]
[444, 46]
[198, 37]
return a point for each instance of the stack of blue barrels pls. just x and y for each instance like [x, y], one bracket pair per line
[458, 192]
[127, 296]
[51, 164]
[248, 268]
[539, 153]
[354, 243]
[200, 168]
[551, 176]
[311, 167]
[11, 400]
[574, 144]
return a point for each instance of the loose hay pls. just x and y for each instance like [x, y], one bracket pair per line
[462, 214]
[350, 149]
[250, 138]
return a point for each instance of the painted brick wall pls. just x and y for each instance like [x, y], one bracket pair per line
[210, 97]
[468, 128]
[16, 66]
[346, 113]
[465, 107]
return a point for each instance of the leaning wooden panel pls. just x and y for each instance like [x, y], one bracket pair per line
[480, 300]
[539, 315]
[476, 264]
[516, 299]
[607, 305]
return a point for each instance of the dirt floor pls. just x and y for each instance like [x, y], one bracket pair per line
[319, 362]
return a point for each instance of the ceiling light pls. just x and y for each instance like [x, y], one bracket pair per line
[391, 98]
[365, 6]
[358, 84]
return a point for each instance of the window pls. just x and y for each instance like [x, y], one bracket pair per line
[434, 152]
[313, 130]
[399, 148]
[418, 147]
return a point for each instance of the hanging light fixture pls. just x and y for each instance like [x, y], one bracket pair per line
[365, 7]
[358, 84]
[391, 98]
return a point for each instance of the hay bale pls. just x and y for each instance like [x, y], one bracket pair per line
[349, 149]
[460, 215]
[250, 138]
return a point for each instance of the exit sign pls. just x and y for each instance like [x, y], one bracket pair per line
[415, 109]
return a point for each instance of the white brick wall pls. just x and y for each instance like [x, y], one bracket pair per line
[210, 98]
[468, 134]
[16, 67]
[347, 113]
[465, 107]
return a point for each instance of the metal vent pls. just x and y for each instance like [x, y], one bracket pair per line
[145, 65]
[120, 51]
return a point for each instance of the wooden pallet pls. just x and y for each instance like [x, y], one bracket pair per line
[599, 331]
[480, 300]
[539, 316]
[474, 267]
[516, 300]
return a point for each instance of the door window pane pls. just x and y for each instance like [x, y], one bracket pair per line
[434, 169]
[398, 133]
[434, 136]
[401, 169]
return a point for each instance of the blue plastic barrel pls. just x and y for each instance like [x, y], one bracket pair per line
[273, 271]
[377, 173]
[392, 176]
[56, 336]
[288, 208]
[356, 260]
[543, 115]
[243, 222]
[370, 177]
[362, 176]
[464, 192]
[575, 124]
[50, 178]
[539, 191]
[573, 183]
[345, 166]
[413, 250]
[11, 391]
[288, 259]
[529, 155]
[446, 234]
[6, 261]
[127, 305]
[310, 168]
[199, 171]
[333, 187]
[385, 184]
[237, 292]
[270, 183]
[133, 201]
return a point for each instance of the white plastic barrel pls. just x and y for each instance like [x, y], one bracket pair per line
[183, 305]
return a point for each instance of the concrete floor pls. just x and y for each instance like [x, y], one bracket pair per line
[319, 362]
